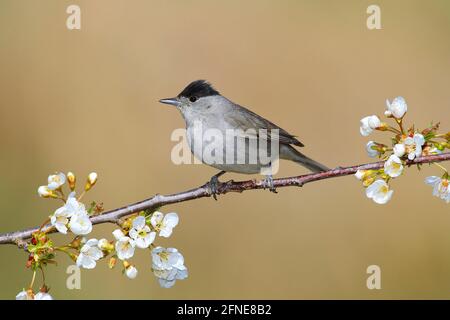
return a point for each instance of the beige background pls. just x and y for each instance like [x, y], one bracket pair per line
[87, 100]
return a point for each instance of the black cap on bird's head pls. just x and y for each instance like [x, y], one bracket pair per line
[195, 90]
[199, 88]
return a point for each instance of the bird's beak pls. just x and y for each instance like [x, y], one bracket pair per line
[173, 101]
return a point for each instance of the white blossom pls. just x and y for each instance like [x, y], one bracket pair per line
[413, 145]
[43, 296]
[141, 233]
[371, 149]
[56, 180]
[379, 192]
[397, 108]
[131, 272]
[399, 150]
[73, 205]
[393, 166]
[440, 187]
[60, 219]
[168, 266]
[44, 191]
[80, 224]
[28, 295]
[368, 124]
[24, 295]
[124, 245]
[164, 224]
[89, 254]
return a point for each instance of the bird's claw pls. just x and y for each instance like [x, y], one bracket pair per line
[268, 183]
[214, 184]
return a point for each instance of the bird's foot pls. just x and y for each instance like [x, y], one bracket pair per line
[214, 184]
[268, 183]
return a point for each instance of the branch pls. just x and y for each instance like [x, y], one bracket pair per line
[157, 201]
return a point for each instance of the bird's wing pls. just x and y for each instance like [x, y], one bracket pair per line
[250, 120]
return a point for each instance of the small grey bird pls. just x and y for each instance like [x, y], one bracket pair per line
[201, 104]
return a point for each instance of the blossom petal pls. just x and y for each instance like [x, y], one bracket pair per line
[156, 218]
[432, 180]
[139, 222]
[118, 234]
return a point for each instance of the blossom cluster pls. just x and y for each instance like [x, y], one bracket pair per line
[136, 231]
[407, 145]
[168, 266]
[30, 295]
[73, 214]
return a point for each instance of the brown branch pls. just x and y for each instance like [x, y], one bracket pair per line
[157, 201]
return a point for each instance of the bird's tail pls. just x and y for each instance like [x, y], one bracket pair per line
[311, 164]
[296, 156]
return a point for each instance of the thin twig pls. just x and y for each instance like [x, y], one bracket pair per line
[157, 201]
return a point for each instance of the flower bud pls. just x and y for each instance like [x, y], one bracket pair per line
[368, 181]
[112, 262]
[73, 256]
[72, 180]
[131, 272]
[382, 127]
[92, 179]
[105, 245]
[127, 224]
[397, 108]
[76, 243]
[45, 192]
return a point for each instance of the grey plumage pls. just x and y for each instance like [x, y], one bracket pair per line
[200, 103]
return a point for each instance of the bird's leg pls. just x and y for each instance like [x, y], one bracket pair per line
[268, 183]
[214, 184]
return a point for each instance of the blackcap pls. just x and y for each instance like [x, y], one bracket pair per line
[227, 136]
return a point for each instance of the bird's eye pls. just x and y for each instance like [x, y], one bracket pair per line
[193, 99]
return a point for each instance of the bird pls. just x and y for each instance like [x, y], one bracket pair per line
[202, 106]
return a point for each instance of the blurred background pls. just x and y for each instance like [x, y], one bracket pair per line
[87, 100]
